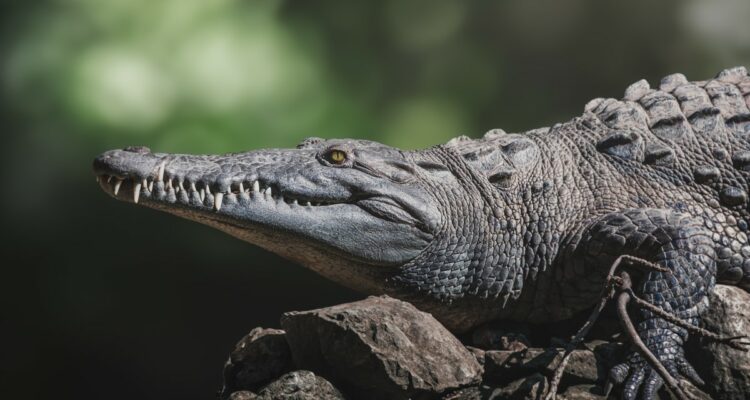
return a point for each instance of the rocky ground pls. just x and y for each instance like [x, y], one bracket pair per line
[383, 348]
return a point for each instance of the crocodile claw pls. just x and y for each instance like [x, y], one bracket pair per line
[637, 376]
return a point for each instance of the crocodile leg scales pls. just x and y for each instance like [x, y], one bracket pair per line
[671, 240]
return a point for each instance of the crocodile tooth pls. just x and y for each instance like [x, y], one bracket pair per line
[268, 191]
[151, 186]
[294, 202]
[256, 187]
[136, 192]
[192, 187]
[144, 183]
[109, 179]
[117, 186]
[202, 194]
[160, 175]
[242, 188]
[179, 186]
[307, 203]
[218, 197]
[97, 179]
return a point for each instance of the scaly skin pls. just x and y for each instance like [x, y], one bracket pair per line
[511, 226]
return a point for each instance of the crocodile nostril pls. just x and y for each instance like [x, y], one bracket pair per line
[137, 149]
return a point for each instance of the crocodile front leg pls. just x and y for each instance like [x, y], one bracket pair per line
[679, 243]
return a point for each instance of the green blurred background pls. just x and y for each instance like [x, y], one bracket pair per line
[105, 300]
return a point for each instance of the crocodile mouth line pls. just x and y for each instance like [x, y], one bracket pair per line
[171, 190]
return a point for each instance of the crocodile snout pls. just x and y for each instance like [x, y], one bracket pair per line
[137, 149]
[130, 162]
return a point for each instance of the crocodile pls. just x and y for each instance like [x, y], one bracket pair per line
[514, 226]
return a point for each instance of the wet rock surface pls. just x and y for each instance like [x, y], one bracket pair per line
[382, 348]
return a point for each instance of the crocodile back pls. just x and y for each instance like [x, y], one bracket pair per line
[683, 146]
[690, 141]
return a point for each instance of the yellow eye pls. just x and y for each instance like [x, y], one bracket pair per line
[337, 156]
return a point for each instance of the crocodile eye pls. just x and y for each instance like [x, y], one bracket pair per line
[336, 157]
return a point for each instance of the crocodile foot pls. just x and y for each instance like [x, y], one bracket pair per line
[636, 375]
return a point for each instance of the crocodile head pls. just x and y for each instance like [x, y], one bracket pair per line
[349, 209]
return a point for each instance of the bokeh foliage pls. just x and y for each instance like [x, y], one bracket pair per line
[107, 300]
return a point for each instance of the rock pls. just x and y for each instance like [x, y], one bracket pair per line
[380, 348]
[725, 370]
[261, 356]
[300, 385]
[582, 367]
[470, 393]
[531, 387]
[582, 392]
[478, 354]
[243, 395]
[692, 392]
[504, 366]
[491, 337]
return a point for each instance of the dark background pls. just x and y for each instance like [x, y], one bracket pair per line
[101, 299]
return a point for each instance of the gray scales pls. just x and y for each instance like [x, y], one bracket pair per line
[510, 226]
